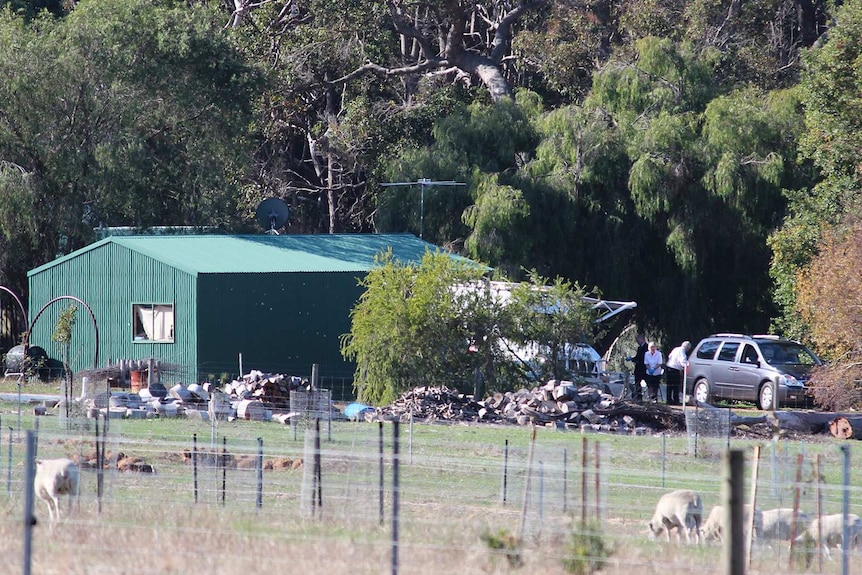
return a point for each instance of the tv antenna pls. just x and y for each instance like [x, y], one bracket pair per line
[271, 214]
[423, 183]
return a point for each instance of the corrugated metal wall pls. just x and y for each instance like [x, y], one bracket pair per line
[280, 323]
[109, 279]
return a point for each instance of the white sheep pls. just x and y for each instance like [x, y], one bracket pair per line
[712, 527]
[829, 529]
[55, 477]
[777, 523]
[680, 509]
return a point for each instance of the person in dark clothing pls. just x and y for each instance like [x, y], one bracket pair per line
[640, 367]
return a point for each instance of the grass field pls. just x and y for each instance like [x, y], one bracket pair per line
[463, 490]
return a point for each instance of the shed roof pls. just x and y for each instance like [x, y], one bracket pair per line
[212, 254]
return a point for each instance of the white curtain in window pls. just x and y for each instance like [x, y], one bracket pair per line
[158, 321]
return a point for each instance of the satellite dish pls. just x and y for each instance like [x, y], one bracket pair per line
[272, 214]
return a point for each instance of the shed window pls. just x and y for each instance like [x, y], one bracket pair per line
[153, 322]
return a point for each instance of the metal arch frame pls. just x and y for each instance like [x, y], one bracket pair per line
[20, 306]
[80, 301]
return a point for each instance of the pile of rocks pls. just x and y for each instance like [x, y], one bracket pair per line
[557, 403]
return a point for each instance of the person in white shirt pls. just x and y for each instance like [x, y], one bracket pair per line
[677, 360]
[653, 361]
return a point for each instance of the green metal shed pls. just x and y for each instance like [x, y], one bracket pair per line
[201, 302]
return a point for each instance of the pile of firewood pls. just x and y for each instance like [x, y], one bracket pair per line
[271, 389]
[557, 403]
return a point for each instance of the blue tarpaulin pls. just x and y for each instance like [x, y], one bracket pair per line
[354, 410]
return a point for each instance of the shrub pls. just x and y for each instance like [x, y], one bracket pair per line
[503, 542]
[586, 552]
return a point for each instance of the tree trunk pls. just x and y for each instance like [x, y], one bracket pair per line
[488, 72]
[330, 193]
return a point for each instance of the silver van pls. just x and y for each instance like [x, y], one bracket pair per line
[750, 368]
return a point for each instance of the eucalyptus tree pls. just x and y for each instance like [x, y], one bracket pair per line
[480, 145]
[467, 39]
[687, 176]
[831, 141]
[121, 113]
[318, 138]
[559, 47]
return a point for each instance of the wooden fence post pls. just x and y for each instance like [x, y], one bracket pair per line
[584, 450]
[527, 481]
[598, 483]
[755, 471]
[732, 496]
[796, 496]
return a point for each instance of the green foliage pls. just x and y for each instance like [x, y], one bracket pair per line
[831, 141]
[587, 551]
[488, 137]
[561, 46]
[121, 113]
[439, 321]
[651, 149]
[804, 553]
[706, 169]
[29, 9]
[498, 213]
[65, 324]
[63, 336]
[476, 144]
[548, 315]
[410, 326]
[502, 541]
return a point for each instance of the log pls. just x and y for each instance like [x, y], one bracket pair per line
[844, 427]
[737, 420]
[810, 422]
[251, 409]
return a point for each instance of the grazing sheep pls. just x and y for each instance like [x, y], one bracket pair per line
[831, 528]
[777, 523]
[55, 477]
[712, 527]
[681, 509]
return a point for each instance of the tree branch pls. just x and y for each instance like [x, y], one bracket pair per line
[503, 33]
[426, 66]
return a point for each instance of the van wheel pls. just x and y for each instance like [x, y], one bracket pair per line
[765, 397]
[701, 391]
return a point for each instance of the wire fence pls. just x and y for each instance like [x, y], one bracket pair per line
[456, 499]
